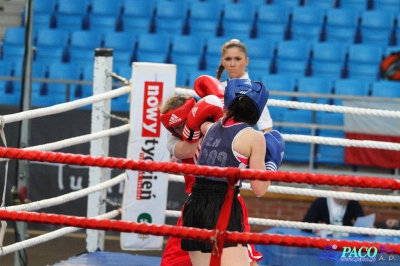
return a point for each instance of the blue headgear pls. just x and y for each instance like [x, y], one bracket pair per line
[255, 90]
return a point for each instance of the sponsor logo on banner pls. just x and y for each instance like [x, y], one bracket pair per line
[152, 100]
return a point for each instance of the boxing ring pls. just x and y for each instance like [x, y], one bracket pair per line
[100, 221]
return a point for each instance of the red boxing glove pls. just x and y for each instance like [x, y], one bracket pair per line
[207, 109]
[208, 85]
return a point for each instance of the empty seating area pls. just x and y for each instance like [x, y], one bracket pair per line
[328, 47]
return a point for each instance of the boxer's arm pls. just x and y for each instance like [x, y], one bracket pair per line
[181, 149]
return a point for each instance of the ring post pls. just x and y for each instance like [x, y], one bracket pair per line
[101, 83]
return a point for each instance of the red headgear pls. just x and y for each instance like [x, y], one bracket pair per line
[177, 116]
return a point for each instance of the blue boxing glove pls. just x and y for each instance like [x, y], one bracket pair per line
[275, 150]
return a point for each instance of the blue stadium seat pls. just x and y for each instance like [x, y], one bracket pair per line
[261, 72]
[294, 69]
[9, 95]
[307, 23]
[355, 87]
[43, 21]
[44, 6]
[170, 17]
[328, 118]
[137, 25]
[188, 51]
[293, 58]
[328, 60]
[12, 52]
[324, 4]
[290, 3]
[138, 16]
[280, 83]
[261, 52]
[153, 47]
[204, 18]
[82, 45]
[328, 154]
[85, 39]
[14, 35]
[15, 66]
[293, 50]
[238, 12]
[255, 3]
[105, 15]
[205, 10]
[43, 11]
[294, 151]
[5, 69]
[319, 85]
[66, 71]
[237, 30]
[385, 88]
[80, 56]
[106, 8]
[205, 28]
[389, 5]
[138, 8]
[273, 21]
[123, 44]
[364, 61]
[120, 41]
[358, 5]
[260, 48]
[103, 23]
[72, 14]
[42, 97]
[342, 25]
[52, 37]
[87, 71]
[124, 71]
[50, 54]
[238, 20]
[377, 27]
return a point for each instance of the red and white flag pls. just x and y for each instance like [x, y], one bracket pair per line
[371, 127]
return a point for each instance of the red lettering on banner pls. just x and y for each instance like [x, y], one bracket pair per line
[152, 100]
[140, 180]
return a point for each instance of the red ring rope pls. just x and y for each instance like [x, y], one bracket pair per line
[251, 174]
[186, 232]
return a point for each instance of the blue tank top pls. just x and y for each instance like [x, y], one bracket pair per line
[217, 146]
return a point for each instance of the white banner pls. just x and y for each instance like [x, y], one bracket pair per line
[145, 193]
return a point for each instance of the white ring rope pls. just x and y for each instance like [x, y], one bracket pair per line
[333, 108]
[80, 139]
[63, 107]
[49, 236]
[67, 197]
[313, 106]
[343, 142]
[314, 192]
[310, 226]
